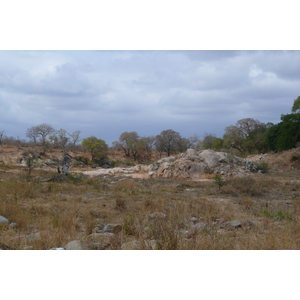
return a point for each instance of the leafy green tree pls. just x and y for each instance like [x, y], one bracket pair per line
[207, 142]
[168, 141]
[296, 105]
[247, 136]
[284, 135]
[217, 144]
[97, 148]
[128, 143]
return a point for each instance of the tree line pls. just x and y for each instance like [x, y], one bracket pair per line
[247, 136]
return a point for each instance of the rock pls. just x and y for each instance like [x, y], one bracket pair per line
[235, 224]
[157, 216]
[3, 221]
[193, 163]
[195, 230]
[152, 244]
[60, 248]
[33, 237]
[113, 228]
[194, 220]
[13, 226]
[76, 245]
[134, 245]
[238, 224]
[100, 240]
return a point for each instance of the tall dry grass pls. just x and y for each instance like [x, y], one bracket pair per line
[51, 214]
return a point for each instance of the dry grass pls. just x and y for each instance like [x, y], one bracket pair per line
[51, 214]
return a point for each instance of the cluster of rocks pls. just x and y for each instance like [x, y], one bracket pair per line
[104, 237]
[193, 164]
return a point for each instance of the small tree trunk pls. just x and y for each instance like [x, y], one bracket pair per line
[66, 163]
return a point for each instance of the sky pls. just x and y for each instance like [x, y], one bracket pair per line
[104, 93]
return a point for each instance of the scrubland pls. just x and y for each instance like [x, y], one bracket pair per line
[50, 214]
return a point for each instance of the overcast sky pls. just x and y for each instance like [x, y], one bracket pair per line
[104, 93]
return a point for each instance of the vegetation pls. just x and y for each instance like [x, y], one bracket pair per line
[247, 136]
[97, 148]
[52, 213]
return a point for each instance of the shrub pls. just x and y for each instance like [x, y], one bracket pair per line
[263, 167]
[219, 180]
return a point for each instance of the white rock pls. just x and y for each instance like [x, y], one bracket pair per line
[134, 245]
[76, 245]
[3, 221]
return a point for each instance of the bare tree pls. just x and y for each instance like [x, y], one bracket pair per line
[75, 136]
[192, 141]
[1, 138]
[62, 138]
[42, 131]
[32, 133]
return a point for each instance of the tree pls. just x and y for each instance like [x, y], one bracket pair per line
[208, 140]
[62, 138]
[97, 148]
[1, 138]
[246, 136]
[42, 131]
[284, 135]
[167, 141]
[217, 144]
[75, 136]
[192, 142]
[146, 145]
[32, 133]
[296, 105]
[128, 143]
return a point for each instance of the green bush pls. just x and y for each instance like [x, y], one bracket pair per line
[263, 167]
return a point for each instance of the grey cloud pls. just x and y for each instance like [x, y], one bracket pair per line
[108, 92]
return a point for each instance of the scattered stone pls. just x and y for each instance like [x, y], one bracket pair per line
[219, 220]
[60, 248]
[113, 228]
[100, 240]
[157, 216]
[194, 220]
[3, 221]
[152, 244]
[238, 224]
[76, 245]
[13, 226]
[134, 245]
[33, 237]
[195, 230]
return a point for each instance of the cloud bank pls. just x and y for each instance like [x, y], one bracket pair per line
[105, 93]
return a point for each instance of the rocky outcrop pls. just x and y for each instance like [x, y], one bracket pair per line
[194, 164]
